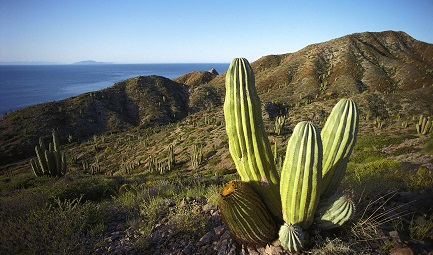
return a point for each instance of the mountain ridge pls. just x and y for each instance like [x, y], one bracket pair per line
[374, 67]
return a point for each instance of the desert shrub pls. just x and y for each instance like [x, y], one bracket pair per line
[373, 177]
[58, 228]
[213, 193]
[152, 211]
[422, 179]
[333, 246]
[368, 147]
[93, 188]
[188, 219]
[22, 181]
[428, 147]
[420, 230]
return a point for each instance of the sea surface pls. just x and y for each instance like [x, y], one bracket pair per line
[25, 85]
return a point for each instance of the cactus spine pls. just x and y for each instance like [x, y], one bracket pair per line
[245, 214]
[301, 175]
[248, 142]
[338, 137]
[51, 162]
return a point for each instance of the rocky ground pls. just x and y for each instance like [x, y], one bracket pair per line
[218, 240]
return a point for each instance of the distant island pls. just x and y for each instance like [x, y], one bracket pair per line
[90, 62]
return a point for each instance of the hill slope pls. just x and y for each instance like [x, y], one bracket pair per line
[389, 72]
[140, 101]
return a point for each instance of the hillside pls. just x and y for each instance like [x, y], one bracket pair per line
[120, 197]
[392, 64]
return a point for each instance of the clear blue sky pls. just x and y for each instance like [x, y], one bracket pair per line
[159, 31]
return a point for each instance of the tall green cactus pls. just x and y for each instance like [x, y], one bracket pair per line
[338, 137]
[424, 125]
[313, 168]
[248, 143]
[51, 162]
[301, 175]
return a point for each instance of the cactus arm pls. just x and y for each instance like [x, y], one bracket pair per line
[41, 159]
[338, 136]
[63, 168]
[248, 142]
[35, 167]
[56, 143]
[301, 175]
[334, 211]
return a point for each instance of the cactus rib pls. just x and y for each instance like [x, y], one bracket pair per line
[245, 214]
[338, 136]
[248, 142]
[301, 175]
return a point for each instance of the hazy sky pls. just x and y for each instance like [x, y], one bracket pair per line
[158, 31]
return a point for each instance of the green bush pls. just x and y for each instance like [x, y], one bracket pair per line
[373, 177]
[58, 228]
[151, 212]
[93, 188]
[422, 179]
[368, 147]
[428, 147]
[187, 219]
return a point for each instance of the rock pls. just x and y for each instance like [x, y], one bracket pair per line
[395, 236]
[206, 239]
[273, 250]
[213, 71]
[115, 235]
[253, 251]
[219, 230]
[401, 251]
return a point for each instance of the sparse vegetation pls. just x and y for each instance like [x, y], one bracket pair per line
[111, 197]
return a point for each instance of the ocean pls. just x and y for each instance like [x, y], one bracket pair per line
[25, 85]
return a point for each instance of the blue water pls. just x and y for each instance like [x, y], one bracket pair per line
[24, 85]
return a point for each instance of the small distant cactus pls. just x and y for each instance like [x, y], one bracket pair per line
[279, 124]
[378, 122]
[197, 156]
[424, 125]
[51, 162]
[171, 160]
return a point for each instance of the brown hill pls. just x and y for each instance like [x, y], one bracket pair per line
[388, 72]
[139, 101]
[384, 62]
[196, 78]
